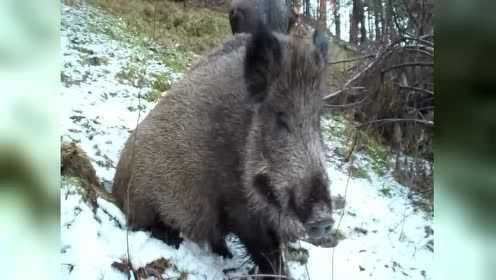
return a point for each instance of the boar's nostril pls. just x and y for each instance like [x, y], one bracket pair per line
[320, 229]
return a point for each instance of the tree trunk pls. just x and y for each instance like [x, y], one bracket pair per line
[363, 28]
[306, 8]
[388, 24]
[370, 23]
[377, 19]
[355, 19]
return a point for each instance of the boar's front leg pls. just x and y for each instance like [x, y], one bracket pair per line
[167, 234]
[219, 247]
[264, 247]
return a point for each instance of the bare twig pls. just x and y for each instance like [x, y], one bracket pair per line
[427, 52]
[349, 104]
[356, 76]
[426, 36]
[348, 158]
[408, 64]
[379, 121]
[417, 89]
[380, 56]
[420, 40]
[341, 91]
[128, 209]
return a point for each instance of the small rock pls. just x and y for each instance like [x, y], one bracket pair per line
[361, 230]
[351, 213]
[430, 245]
[338, 202]
[97, 61]
[76, 118]
[428, 231]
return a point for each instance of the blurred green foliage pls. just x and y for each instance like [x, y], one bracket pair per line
[29, 141]
[465, 138]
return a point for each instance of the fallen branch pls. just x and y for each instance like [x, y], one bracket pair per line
[351, 59]
[125, 267]
[275, 276]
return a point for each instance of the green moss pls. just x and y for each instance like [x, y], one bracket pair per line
[131, 74]
[161, 83]
[379, 160]
[95, 60]
[341, 152]
[183, 275]
[359, 172]
[176, 59]
[333, 127]
[386, 191]
[338, 235]
[153, 95]
[74, 185]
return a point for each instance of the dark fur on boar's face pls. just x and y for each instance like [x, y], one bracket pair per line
[235, 147]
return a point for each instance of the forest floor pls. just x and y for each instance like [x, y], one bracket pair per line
[385, 236]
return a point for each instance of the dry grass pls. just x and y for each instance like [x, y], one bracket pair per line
[169, 23]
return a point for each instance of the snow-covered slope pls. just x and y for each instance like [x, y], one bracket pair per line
[386, 236]
[104, 70]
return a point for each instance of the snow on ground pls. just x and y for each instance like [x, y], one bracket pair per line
[104, 71]
[385, 236]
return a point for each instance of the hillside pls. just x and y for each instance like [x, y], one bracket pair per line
[113, 75]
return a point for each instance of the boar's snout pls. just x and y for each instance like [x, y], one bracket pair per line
[321, 227]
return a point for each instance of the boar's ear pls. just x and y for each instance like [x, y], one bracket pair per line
[321, 43]
[262, 61]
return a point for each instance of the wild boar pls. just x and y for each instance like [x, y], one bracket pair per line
[244, 15]
[235, 147]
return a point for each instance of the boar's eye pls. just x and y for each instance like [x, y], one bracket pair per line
[282, 121]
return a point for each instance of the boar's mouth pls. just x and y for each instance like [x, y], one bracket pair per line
[330, 241]
[316, 225]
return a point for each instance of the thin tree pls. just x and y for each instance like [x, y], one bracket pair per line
[378, 19]
[361, 15]
[388, 22]
[322, 15]
[337, 17]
